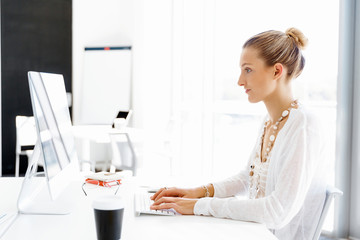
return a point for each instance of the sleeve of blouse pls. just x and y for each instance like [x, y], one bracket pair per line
[293, 181]
[237, 184]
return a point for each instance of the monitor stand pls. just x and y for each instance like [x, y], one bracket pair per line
[35, 197]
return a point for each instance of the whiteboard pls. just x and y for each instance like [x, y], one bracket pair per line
[106, 85]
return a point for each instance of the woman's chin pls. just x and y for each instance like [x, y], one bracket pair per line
[253, 100]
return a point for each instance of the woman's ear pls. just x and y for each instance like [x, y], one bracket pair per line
[278, 70]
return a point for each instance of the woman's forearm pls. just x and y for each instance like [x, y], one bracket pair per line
[201, 191]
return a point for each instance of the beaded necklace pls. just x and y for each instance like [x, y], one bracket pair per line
[255, 179]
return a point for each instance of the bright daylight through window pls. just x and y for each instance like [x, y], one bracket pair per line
[215, 126]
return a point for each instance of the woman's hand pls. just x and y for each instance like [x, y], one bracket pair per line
[178, 192]
[183, 206]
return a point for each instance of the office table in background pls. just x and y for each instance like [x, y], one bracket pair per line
[93, 143]
[80, 224]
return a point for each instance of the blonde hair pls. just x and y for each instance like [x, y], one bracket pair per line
[278, 47]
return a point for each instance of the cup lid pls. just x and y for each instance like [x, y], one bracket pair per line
[108, 203]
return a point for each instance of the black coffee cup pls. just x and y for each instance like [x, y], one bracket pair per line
[108, 213]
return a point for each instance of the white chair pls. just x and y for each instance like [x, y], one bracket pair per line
[25, 137]
[100, 152]
[331, 193]
[124, 150]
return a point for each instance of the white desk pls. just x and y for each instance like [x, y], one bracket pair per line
[80, 224]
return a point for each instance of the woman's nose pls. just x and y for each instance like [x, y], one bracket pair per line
[240, 81]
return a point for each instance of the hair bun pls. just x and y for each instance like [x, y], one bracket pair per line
[300, 39]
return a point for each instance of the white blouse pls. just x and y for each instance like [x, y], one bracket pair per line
[295, 187]
[259, 178]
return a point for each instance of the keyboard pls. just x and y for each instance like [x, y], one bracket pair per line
[6, 219]
[143, 203]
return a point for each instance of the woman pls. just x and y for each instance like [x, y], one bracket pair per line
[282, 182]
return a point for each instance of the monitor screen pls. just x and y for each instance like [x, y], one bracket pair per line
[55, 147]
[52, 116]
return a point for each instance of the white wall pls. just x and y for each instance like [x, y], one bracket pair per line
[156, 64]
[98, 23]
[146, 26]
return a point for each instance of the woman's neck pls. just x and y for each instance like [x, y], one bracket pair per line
[277, 103]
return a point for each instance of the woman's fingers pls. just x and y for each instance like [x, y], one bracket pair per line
[181, 205]
[157, 193]
[164, 200]
[163, 206]
[161, 194]
[166, 192]
[165, 203]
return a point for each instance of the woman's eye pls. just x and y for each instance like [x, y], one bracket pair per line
[248, 70]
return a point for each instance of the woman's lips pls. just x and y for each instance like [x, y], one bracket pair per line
[247, 90]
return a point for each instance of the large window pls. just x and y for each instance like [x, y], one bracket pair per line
[191, 50]
[216, 126]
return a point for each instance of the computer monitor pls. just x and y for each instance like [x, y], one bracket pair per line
[52, 193]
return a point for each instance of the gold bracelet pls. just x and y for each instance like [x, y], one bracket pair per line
[207, 193]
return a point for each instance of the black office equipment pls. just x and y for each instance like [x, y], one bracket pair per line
[35, 35]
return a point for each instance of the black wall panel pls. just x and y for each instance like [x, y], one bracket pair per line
[36, 35]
